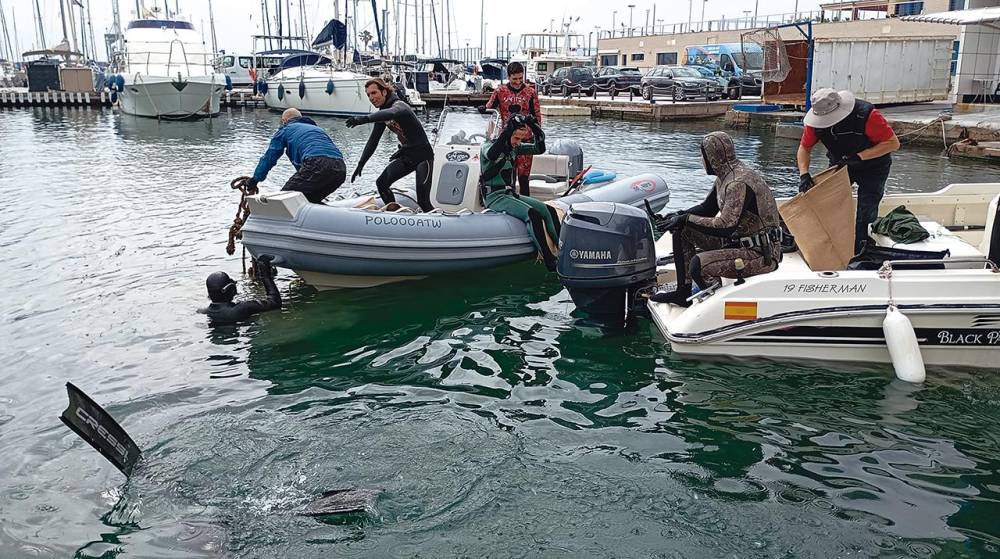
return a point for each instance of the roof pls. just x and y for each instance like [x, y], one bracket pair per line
[960, 17]
[861, 5]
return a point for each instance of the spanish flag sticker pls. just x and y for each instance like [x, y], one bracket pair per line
[738, 310]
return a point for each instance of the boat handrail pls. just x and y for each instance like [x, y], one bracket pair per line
[886, 268]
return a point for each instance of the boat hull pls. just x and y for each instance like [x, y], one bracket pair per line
[803, 315]
[347, 98]
[163, 97]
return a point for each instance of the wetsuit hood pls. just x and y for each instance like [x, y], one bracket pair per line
[719, 153]
[221, 287]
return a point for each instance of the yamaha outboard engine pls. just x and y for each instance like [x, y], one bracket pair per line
[606, 255]
[570, 149]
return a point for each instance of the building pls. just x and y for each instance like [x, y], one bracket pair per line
[665, 44]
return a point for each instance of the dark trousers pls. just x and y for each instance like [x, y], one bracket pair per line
[399, 168]
[317, 178]
[871, 188]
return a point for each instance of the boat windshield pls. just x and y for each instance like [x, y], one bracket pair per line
[469, 128]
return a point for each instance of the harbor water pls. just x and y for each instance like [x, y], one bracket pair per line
[494, 419]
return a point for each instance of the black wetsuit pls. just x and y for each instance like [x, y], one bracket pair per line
[414, 154]
[221, 313]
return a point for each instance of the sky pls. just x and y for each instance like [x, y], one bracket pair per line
[237, 20]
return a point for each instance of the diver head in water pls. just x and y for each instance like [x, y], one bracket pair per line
[222, 290]
[221, 287]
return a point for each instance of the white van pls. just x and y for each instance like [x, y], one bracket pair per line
[237, 67]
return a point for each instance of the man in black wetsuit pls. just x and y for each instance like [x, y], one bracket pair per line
[222, 290]
[415, 152]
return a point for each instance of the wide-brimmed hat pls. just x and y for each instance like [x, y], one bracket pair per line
[829, 107]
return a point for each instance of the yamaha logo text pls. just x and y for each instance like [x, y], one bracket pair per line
[590, 254]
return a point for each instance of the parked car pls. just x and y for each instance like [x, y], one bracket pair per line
[740, 62]
[679, 81]
[568, 80]
[615, 79]
[709, 74]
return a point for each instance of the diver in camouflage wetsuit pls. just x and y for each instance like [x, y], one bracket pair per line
[497, 179]
[734, 233]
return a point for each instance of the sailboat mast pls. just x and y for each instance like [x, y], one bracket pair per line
[302, 19]
[16, 56]
[211, 23]
[436, 32]
[447, 18]
[39, 30]
[288, 26]
[62, 17]
[90, 31]
[6, 51]
[266, 25]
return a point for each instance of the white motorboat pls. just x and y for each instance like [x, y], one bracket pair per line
[313, 84]
[800, 314]
[166, 71]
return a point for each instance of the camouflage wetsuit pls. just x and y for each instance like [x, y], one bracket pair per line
[738, 220]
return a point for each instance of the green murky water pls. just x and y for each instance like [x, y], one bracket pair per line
[494, 420]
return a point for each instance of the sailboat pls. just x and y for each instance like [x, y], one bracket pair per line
[315, 83]
[166, 71]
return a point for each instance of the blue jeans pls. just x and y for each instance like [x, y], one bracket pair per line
[871, 188]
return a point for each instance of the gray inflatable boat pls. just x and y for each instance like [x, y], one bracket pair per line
[356, 243]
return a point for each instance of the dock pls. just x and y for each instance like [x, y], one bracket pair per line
[932, 123]
[438, 98]
[637, 108]
[21, 97]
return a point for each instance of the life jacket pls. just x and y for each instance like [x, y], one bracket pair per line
[847, 137]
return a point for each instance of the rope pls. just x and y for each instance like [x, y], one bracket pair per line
[242, 213]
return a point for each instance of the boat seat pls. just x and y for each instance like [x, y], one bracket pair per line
[941, 239]
[551, 165]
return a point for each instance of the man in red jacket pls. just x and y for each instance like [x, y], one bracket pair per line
[855, 134]
[517, 97]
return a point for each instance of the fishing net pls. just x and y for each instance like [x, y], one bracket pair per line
[776, 65]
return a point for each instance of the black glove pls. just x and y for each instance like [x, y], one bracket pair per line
[263, 267]
[517, 121]
[357, 173]
[355, 120]
[482, 109]
[251, 184]
[849, 160]
[805, 182]
[675, 223]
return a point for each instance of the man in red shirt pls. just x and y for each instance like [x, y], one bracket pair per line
[512, 98]
[855, 134]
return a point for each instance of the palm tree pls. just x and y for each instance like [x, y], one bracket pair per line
[365, 37]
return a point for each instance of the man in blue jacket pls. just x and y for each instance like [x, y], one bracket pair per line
[319, 165]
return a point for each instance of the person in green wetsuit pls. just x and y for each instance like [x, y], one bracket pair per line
[497, 178]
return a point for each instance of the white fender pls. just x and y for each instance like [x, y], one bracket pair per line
[903, 348]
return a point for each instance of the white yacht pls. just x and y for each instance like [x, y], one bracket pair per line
[543, 53]
[166, 71]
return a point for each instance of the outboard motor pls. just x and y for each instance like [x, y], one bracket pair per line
[570, 149]
[606, 255]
